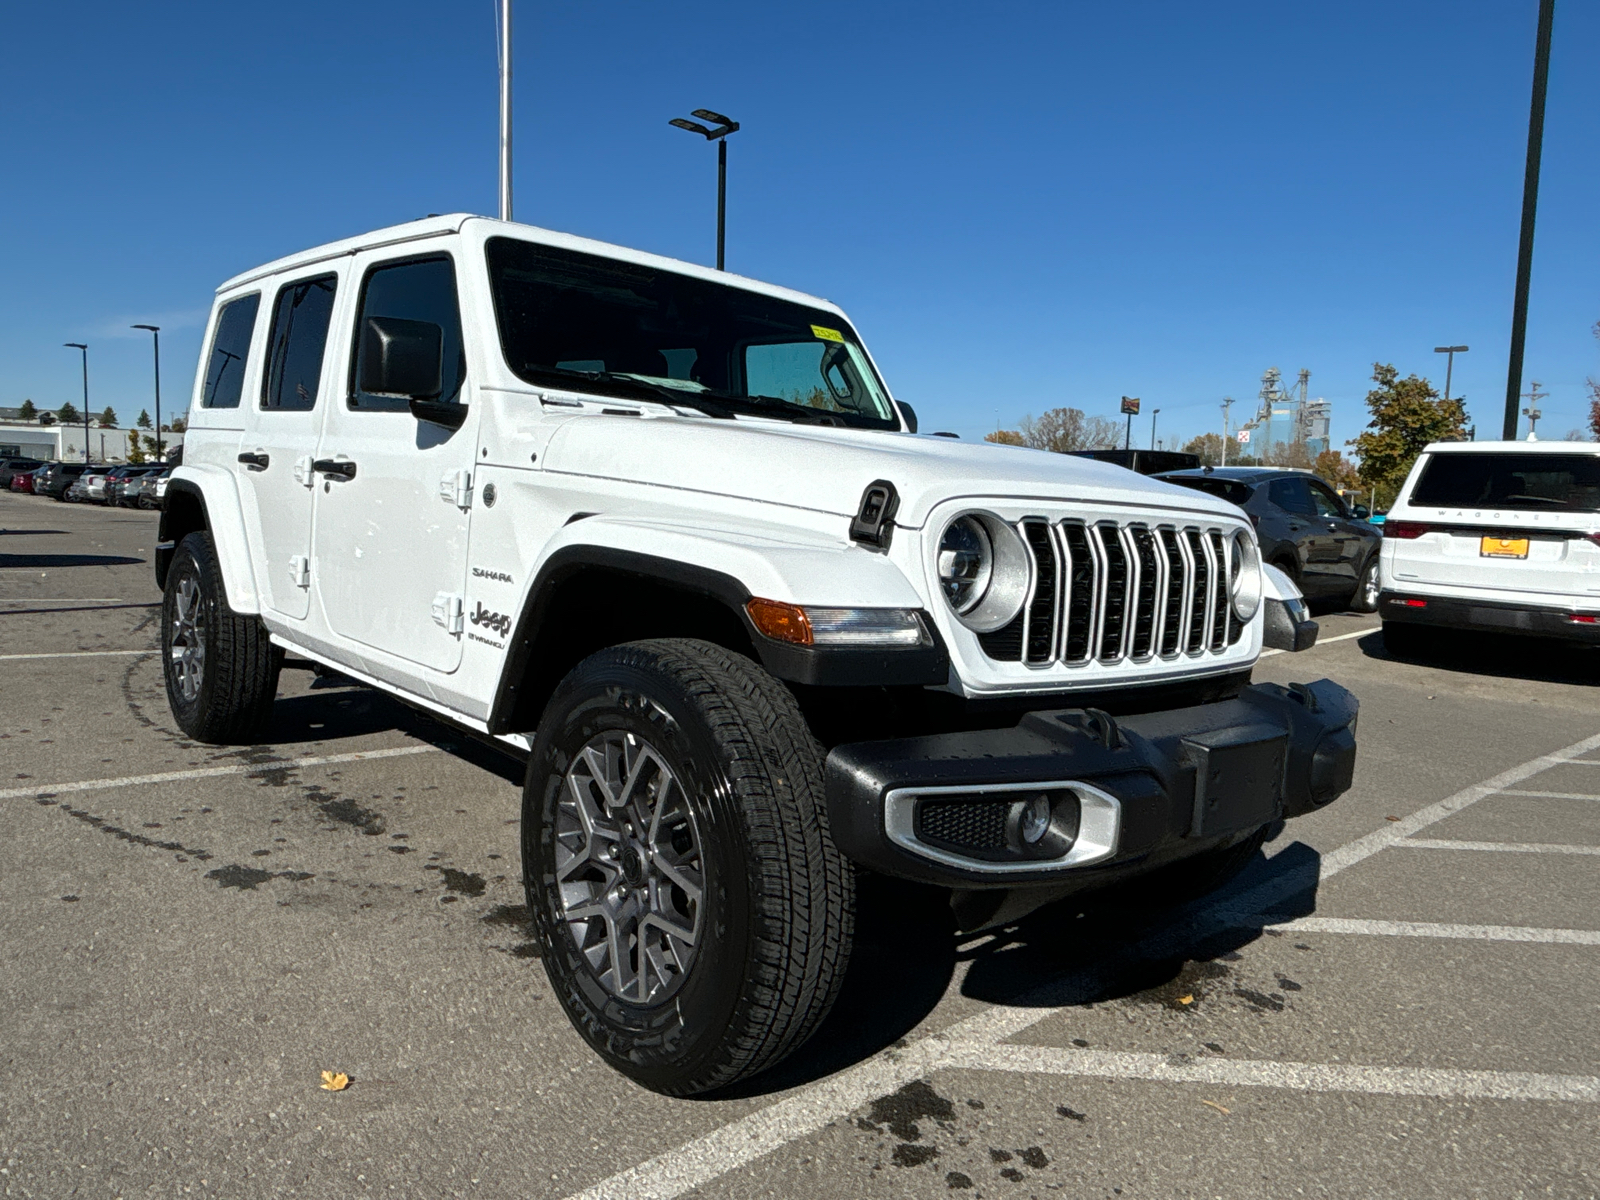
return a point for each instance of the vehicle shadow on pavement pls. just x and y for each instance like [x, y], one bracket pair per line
[1503, 656]
[68, 560]
[1114, 946]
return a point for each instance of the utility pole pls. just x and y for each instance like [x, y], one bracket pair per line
[1227, 403]
[719, 135]
[1530, 202]
[504, 30]
[1449, 363]
[1154, 413]
[85, 349]
[1130, 406]
[155, 331]
[1533, 395]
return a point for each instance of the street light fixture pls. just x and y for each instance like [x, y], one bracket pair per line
[85, 349]
[719, 135]
[1449, 363]
[155, 331]
[1154, 413]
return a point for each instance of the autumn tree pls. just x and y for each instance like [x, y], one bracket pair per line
[1064, 430]
[1335, 469]
[1005, 437]
[179, 425]
[1594, 397]
[1407, 414]
[108, 419]
[135, 449]
[1208, 446]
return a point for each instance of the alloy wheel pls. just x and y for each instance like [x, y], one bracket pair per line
[188, 648]
[630, 868]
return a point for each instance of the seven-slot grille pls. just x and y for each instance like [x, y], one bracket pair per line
[1108, 592]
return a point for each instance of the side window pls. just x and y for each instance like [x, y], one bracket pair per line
[299, 337]
[1327, 504]
[230, 348]
[1293, 495]
[419, 290]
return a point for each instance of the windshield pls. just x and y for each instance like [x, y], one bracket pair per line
[1534, 482]
[595, 324]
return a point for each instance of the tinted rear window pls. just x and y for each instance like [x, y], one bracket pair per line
[1230, 490]
[1532, 482]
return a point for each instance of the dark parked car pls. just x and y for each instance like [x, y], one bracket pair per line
[1306, 529]
[10, 467]
[22, 481]
[55, 478]
[1146, 462]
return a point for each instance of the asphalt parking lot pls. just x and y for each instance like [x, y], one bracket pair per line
[1400, 997]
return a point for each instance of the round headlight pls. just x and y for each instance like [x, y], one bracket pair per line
[1244, 576]
[983, 571]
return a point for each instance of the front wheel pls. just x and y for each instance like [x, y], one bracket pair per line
[1365, 599]
[695, 914]
[221, 670]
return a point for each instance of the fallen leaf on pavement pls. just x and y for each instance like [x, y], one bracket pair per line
[335, 1081]
[1391, 818]
[1216, 1106]
[1185, 999]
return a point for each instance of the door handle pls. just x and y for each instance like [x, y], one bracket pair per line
[256, 462]
[335, 466]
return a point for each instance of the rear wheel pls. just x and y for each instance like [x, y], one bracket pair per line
[695, 915]
[221, 670]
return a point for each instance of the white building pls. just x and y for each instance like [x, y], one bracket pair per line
[64, 443]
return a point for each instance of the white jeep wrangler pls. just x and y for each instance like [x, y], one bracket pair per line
[664, 530]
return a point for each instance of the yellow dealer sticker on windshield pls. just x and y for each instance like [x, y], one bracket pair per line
[826, 334]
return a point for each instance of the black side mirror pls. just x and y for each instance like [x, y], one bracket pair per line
[406, 358]
[1360, 512]
[910, 415]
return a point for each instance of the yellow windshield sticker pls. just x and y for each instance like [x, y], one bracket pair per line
[826, 334]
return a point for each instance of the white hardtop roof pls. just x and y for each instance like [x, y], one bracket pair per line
[428, 227]
[1523, 447]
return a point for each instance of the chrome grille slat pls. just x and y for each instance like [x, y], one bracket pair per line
[1039, 632]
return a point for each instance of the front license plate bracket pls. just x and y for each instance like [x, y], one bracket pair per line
[1238, 778]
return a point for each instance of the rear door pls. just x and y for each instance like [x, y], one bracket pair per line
[391, 529]
[1318, 546]
[274, 462]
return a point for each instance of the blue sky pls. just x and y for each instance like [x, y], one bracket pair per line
[1021, 206]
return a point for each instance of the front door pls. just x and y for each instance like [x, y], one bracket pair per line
[1344, 531]
[280, 440]
[394, 503]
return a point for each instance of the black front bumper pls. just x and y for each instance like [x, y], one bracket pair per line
[1180, 782]
[1487, 616]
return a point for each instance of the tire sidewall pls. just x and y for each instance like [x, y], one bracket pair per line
[1358, 599]
[195, 559]
[665, 1044]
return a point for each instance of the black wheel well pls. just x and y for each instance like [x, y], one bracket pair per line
[182, 512]
[589, 607]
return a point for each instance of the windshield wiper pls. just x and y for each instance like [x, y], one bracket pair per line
[627, 386]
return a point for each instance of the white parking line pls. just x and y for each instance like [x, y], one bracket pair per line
[76, 654]
[1431, 929]
[1296, 1076]
[1511, 847]
[1552, 795]
[675, 1172]
[1343, 637]
[276, 764]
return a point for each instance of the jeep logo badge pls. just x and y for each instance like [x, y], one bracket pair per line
[499, 622]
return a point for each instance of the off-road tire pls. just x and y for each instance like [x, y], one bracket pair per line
[238, 674]
[779, 897]
[1365, 598]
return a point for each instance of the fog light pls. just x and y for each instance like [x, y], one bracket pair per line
[1035, 822]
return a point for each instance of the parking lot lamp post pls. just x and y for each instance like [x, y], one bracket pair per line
[719, 135]
[85, 349]
[155, 332]
[1154, 413]
[1449, 364]
[1530, 202]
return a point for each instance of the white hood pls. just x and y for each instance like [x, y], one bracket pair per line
[826, 468]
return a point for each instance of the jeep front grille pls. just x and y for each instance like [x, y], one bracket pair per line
[1111, 592]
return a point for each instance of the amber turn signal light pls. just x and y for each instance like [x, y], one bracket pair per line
[779, 621]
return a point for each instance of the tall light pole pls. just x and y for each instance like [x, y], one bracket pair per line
[155, 331]
[1154, 413]
[1449, 363]
[1227, 403]
[504, 29]
[719, 135]
[85, 349]
[1530, 202]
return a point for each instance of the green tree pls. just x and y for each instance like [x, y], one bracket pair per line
[179, 425]
[144, 419]
[68, 415]
[1005, 437]
[1407, 414]
[27, 412]
[108, 419]
[135, 450]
